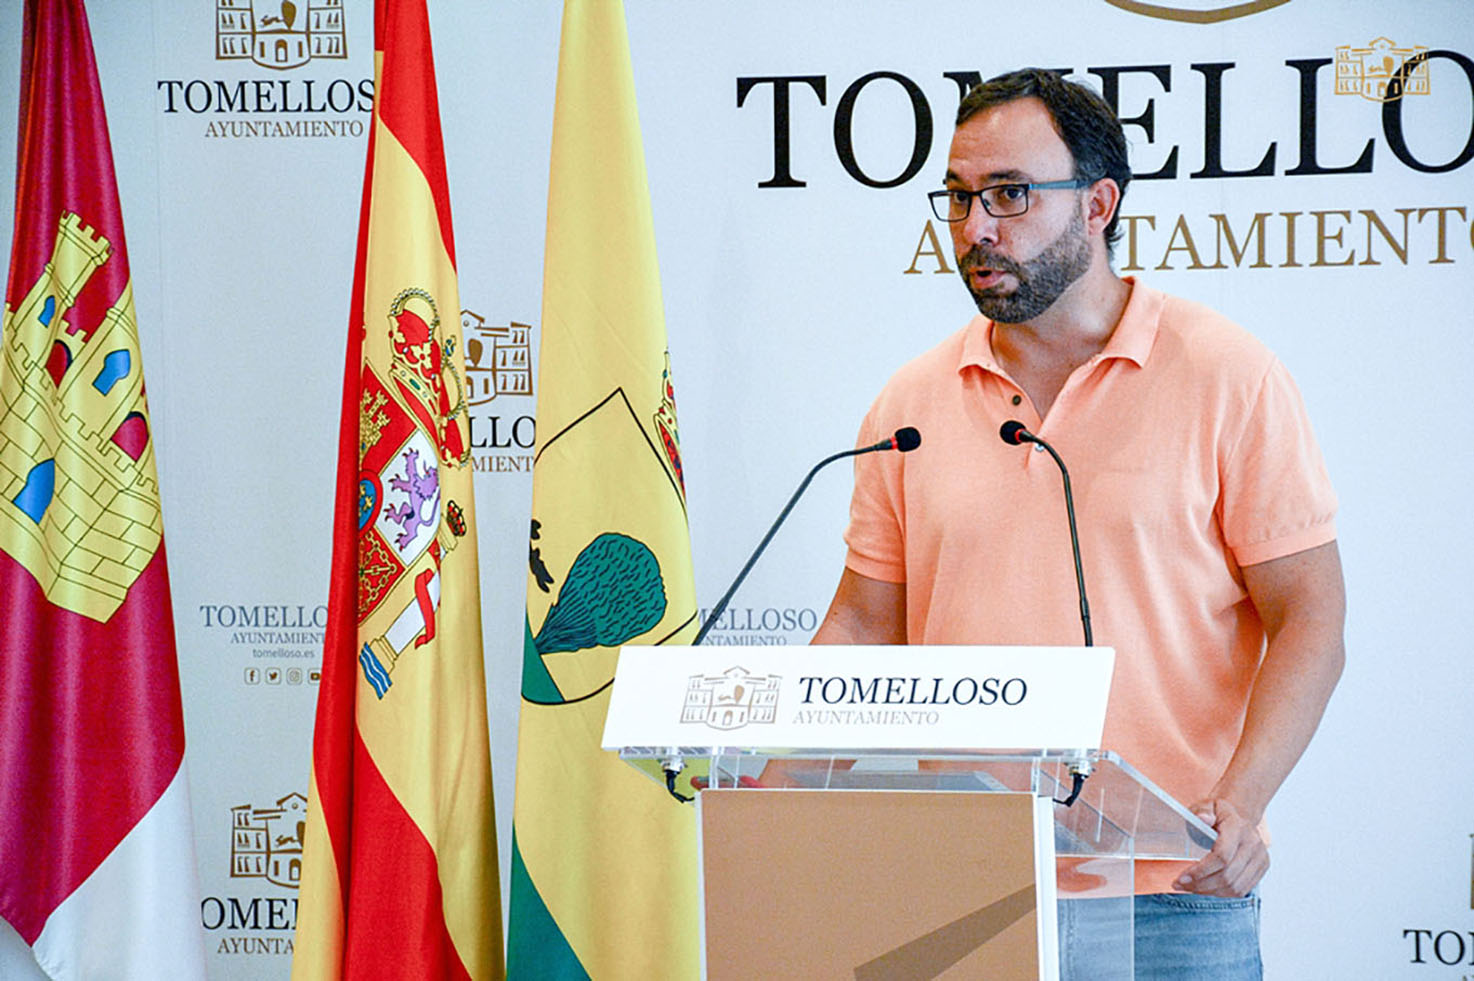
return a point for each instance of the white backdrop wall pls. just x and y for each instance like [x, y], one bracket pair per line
[788, 307]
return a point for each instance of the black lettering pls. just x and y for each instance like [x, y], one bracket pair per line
[1213, 127]
[228, 99]
[862, 693]
[990, 691]
[1438, 947]
[966, 81]
[240, 919]
[824, 691]
[844, 119]
[1392, 114]
[524, 441]
[1418, 936]
[1110, 90]
[1022, 689]
[893, 691]
[206, 910]
[189, 100]
[808, 684]
[366, 95]
[957, 687]
[782, 172]
[1308, 69]
[343, 102]
[171, 87]
[263, 89]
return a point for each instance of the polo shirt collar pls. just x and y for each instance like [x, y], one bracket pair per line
[1132, 339]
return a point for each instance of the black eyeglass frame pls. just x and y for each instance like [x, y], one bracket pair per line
[941, 201]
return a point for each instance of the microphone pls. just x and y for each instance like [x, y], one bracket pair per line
[904, 440]
[1014, 433]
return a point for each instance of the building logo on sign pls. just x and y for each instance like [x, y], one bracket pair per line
[498, 359]
[266, 842]
[731, 700]
[279, 35]
[1379, 72]
[1198, 11]
[498, 367]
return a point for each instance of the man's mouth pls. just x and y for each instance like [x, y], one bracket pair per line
[983, 277]
[985, 272]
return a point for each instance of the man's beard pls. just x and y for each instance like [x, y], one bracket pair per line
[1041, 280]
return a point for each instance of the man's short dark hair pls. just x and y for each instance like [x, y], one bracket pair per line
[1082, 118]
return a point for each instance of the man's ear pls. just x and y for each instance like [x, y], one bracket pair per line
[1101, 201]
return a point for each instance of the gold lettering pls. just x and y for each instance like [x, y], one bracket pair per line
[1131, 220]
[929, 245]
[1442, 213]
[1256, 230]
[1375, 221]
[1187, 246]
[1290, 217]
[1322, 236]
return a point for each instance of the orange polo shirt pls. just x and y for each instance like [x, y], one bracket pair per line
[1190, 456]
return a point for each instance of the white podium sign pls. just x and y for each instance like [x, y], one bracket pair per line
[876, 698]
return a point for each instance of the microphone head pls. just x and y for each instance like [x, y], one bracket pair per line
[907, 439]
[1013, 432]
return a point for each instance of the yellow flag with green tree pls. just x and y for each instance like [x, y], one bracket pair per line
[604, 876]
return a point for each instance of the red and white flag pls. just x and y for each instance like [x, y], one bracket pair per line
[97, 869]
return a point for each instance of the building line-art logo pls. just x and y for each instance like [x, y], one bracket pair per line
[266, 842]
[498, 359]
[731, 700]
[279, 34]
[1380, 72]
[1201, 12]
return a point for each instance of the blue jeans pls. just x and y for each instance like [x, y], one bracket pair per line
[1178, 937]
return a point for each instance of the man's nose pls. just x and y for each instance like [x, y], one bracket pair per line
[979, 226]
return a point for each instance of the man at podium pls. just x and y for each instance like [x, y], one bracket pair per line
[1206, 518]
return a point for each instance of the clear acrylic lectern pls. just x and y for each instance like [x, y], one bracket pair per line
[1117, 818]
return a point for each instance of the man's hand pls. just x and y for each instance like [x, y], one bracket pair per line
[1239, 857]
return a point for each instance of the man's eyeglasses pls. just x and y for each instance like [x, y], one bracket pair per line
[1000, 200]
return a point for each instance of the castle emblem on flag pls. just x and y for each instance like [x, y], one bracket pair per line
[280, 34]
[731, 700]
[411, 422]
[78, 498]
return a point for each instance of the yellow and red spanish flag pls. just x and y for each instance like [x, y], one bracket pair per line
[400, 873]
[604, 878]
[97, 868]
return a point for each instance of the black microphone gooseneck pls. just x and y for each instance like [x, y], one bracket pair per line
[905, 440]
[1014, 433]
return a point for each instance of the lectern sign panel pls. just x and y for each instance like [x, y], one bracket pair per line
[923, 698]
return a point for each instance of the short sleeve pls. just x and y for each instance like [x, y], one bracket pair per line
[876, 534]
[1277, 496]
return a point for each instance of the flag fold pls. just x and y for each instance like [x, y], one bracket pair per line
[400, 870]
[97, 870]
[603, 881]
